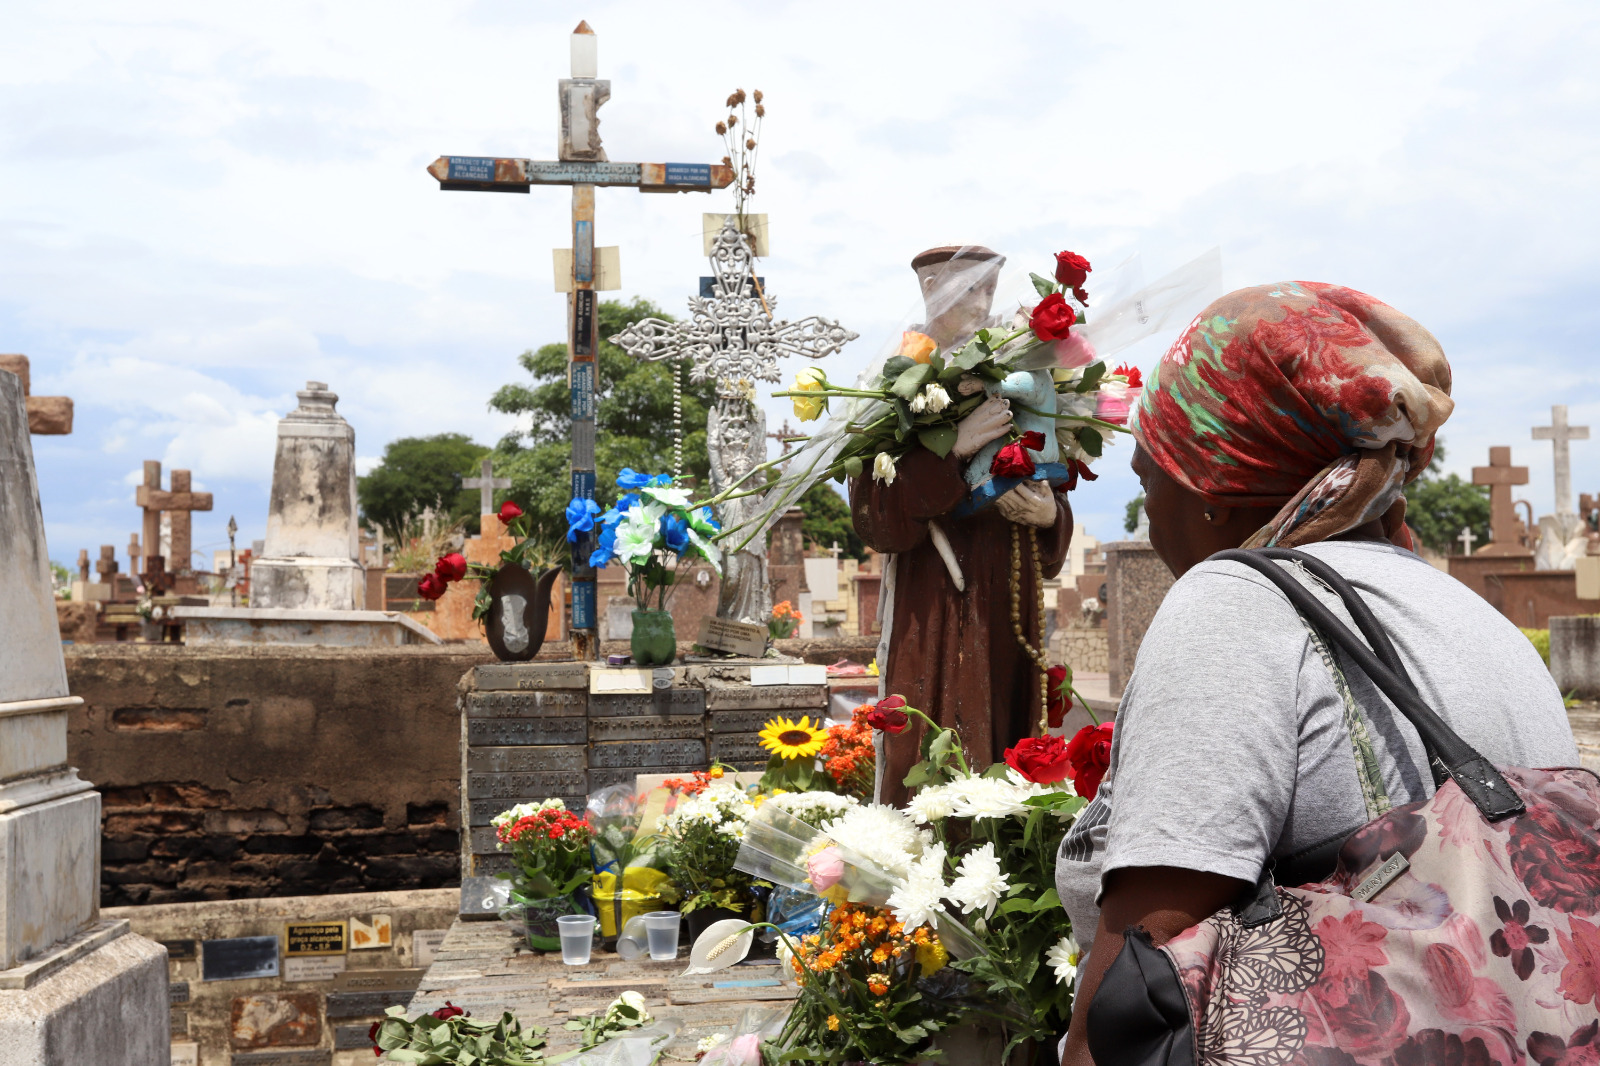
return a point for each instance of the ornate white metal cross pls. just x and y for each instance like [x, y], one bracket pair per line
[732, 336]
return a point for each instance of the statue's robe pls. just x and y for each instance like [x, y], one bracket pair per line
[953, 655]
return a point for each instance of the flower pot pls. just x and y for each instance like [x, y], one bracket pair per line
[655, 642]
[519, 610]
[700, 920]
[539, 920]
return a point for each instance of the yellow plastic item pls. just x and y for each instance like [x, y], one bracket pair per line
[641, 893]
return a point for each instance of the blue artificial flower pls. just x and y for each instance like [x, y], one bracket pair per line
[705, 514]
[630, 478]
[581, 514]
[661, 481]
[608, 542]
[620, 511]
[676, 533]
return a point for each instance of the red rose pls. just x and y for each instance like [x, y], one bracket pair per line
[1053, 318]
[1135, 379]
[1089, 751]
[1083, 296]
[1056, 677]
[372, 1035]
[1072, 269]
[452, 567]
[508, 511]
[890, 720]
[1040, 759]
[1013, 460]
[431, 587]
[450, 1010]
[891, 703]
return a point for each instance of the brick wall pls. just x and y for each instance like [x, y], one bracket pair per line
[246, 772]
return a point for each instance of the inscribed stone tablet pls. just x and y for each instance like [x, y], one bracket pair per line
[659, 703]
[529, 676]
[487, 732]
[560, 704]
[621, 679]
[478, 899]
[525, 759]
[346, 1037]
[185, 1053]
[653, 727]
[313, 938]
[511, 786]
[736, 638]
[177, 992]
[726, 696]
[738, 747]
[320, 968]
[378, 980]
[239, 957]
[364, 1004]
[307, 1057]
[425, 945]
[635, 753]
[178, 950]
[738, 721]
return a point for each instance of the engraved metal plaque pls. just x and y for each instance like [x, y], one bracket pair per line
[511, 787]
[482, 811]
[739, 747]
[662, 702]
[362, 1004]
[641, 753]
[739, 721]
[560, 703]
[523, 760]
[530, 676]
[771, 698]
[654, 727]
[490, 732]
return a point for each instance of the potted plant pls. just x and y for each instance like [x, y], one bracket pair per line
[700, 840]
[550, 845]
[653, 530]
[513, 600]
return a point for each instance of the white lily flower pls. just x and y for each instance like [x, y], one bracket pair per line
[720, 946]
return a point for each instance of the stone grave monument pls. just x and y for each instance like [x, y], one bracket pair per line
[1563, 536]
[73, 988]
[309, 586]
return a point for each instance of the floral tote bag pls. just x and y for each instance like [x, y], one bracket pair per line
[1463, 930]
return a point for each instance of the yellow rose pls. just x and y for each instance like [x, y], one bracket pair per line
[809, 408]
[917, 347]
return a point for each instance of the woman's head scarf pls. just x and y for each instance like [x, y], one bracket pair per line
[1315, 399]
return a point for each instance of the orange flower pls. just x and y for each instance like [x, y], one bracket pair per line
[880, 955]
[833, 1023]
[917, 347]
[878, 984]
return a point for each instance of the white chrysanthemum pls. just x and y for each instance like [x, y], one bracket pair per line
[722, 807]
[916, 900]
[991, 797]
[708, 1043]
[883, 468]
[936, 398]
[979, 883]
[931, 804]
[882, 835]
[919, 403]
[814, 808]
[1063, 958]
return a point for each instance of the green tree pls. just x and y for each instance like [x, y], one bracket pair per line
[417, 473]
[827, 521]
[633, 421]
[1130, 516]
[1438, 508]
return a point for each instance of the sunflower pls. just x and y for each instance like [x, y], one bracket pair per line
[793, 740]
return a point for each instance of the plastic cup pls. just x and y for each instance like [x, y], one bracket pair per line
[577, 938]
[634, 941]
[661, 927]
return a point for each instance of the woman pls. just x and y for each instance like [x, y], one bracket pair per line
[1289, 415]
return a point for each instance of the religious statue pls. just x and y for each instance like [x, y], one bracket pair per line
[736, 439]
[951, 592]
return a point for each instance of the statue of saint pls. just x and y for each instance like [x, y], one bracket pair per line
[736, 440]
[952, 654]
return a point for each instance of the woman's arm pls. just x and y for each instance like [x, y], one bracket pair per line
[1162, 900]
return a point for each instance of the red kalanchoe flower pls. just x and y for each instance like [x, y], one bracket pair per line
[1057, 676]
[1131, 372]
[431, 587]
[1013, 460]
[1040, 759]
[1089, 752]
[1072, 269]
[508, 511]
[1053, 318]
[452, 567]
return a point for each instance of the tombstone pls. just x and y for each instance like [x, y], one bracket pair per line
[312, 551]
[1563, 536]
[1136, 583]
[1507, 535]
[167, 523]
[73, 987]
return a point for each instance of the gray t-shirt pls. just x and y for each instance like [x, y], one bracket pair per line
[1231, 745]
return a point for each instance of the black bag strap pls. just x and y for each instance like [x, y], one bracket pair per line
[1450, 757]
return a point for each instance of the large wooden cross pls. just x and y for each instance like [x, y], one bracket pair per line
[486, 484]
[1559, 433]
[47, 415]
[582, 164]
[1505, 532]
[179, 502]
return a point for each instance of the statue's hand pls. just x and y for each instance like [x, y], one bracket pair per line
[1031, 503]
[988, 421]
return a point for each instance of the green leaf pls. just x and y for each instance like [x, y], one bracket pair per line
[852, 466]
[972, 353]
[1011, 906]
[1091, 441]
[1048, 901]
[911, 380]
[1043, 286]
[902, 412]
[895, 366]
[1091, 378]
[938, 439]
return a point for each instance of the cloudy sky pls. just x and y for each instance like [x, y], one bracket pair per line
[202, 205]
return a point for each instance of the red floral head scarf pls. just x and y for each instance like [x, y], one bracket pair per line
[1315, 399]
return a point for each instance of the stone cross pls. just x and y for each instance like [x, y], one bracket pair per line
[1466, 538]
[782, 436]
[1559, 433]
[135, 556]
[83, 565]
[47, 415]
[486, 484]
[178, 503]
[106, 565]
[1500, 476]
[582, 165]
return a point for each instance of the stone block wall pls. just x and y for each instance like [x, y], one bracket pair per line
[1084, 648]
[243, 772]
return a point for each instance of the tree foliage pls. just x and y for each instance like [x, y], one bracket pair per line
[633, 420]
[417, 473]
[1130, 514]
[1438, 508]
[827, 521]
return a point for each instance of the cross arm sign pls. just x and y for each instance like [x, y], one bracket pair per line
[491, 174]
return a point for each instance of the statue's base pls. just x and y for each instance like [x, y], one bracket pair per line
[264, 625]
[101, 997]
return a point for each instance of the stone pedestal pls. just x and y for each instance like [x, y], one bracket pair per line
[311, 559]
[1136, 583]
[260, 625]
[72, 989]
